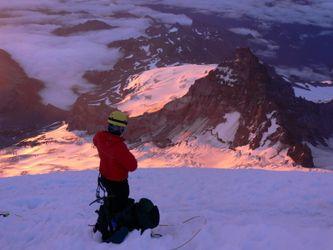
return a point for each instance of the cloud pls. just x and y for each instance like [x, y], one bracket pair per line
[311, 12]
[305, 73]
[270, 46]
[60, 62]
[245, 32]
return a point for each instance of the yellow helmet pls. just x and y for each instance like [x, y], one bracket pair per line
[118, 118]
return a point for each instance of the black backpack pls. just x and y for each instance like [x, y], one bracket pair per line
[114, 227]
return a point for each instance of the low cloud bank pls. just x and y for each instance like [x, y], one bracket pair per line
[60, 62]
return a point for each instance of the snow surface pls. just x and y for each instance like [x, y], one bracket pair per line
[56, 150]
[61, 150]
[271, 129]
[227, 76]
[322, 155]
[226, 131]
[317, 94]
[206, 150]
[244, 209]
[154, 88]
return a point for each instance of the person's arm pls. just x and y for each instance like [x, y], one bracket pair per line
[126, 158]
[103, 146]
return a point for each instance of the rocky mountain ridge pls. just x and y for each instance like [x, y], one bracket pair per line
[270, 114]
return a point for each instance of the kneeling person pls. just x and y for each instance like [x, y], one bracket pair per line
[116, 161]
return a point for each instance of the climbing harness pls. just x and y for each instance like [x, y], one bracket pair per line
[100, 187]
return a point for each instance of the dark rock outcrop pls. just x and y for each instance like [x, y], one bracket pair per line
[82, 27]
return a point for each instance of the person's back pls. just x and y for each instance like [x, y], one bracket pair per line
[116, 159]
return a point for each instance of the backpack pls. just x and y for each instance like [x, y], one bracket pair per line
[114, 227]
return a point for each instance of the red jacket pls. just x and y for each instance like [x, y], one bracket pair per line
[116, 159]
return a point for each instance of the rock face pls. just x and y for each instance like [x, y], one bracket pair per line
[82, 27]
[21, 110]
[270, 112]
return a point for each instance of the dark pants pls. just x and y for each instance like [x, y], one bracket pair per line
[118, 192]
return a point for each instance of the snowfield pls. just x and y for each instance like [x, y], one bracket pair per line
[154, 88]
[244, 209]
[61, 150]
[55, 150]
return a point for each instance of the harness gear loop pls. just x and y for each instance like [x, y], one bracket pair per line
[101, 199]
[100, 187]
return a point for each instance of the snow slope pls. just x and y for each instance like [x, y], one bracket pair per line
[245, 209]
[154, 88]
[206, 151]
[56, 150]
[61, 150]
[322, 155]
